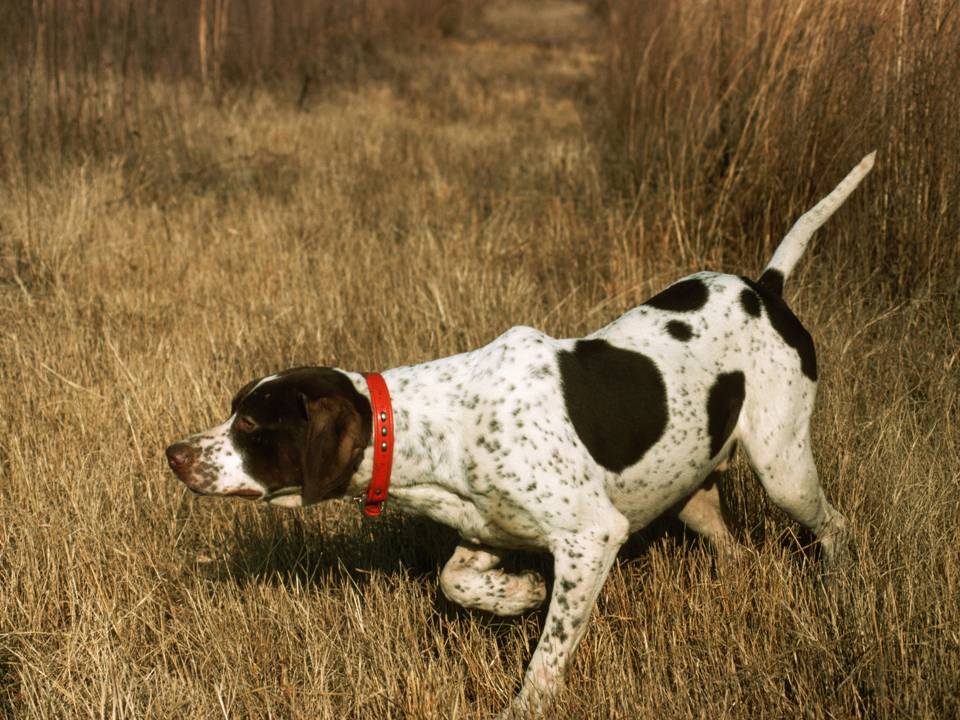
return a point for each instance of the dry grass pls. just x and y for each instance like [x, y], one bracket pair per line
[404, 218]
[726, 117]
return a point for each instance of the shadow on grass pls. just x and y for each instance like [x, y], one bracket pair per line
[298, 550]
[281, 548]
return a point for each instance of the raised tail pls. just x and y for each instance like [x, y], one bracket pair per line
[795, 242]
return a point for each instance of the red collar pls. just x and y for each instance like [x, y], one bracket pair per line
[383, 440]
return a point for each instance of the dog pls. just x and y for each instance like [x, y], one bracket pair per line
[565, 446]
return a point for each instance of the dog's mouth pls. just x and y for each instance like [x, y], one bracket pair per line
[245, 493]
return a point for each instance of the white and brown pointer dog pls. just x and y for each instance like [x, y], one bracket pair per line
[566, 446]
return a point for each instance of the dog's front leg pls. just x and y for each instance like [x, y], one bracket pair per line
[472, 579]
[582, 561]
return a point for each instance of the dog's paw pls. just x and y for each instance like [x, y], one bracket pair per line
[522, 592]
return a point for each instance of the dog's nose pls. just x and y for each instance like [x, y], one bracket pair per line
[181, 456]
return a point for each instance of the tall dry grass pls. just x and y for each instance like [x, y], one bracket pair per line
[103, 77]
[731, 115]
[421, 213]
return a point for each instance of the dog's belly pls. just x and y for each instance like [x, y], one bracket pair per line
[645, 493]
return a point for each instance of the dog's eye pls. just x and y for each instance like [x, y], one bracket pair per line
[245, 423]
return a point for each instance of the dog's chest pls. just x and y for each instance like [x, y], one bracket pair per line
[480, 520]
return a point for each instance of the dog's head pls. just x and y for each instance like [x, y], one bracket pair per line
[292, 438]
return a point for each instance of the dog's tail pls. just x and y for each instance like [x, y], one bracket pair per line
[795, 242]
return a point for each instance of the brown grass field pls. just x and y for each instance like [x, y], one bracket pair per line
[412, 184]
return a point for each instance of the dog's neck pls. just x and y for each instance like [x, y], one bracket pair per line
[423, 444]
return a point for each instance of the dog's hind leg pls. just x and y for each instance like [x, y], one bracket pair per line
[784, 464]
[701, 513]
[471, 579]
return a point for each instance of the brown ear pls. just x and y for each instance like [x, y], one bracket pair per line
[333, 449]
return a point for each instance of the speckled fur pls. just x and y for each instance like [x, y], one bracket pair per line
[485, 444]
